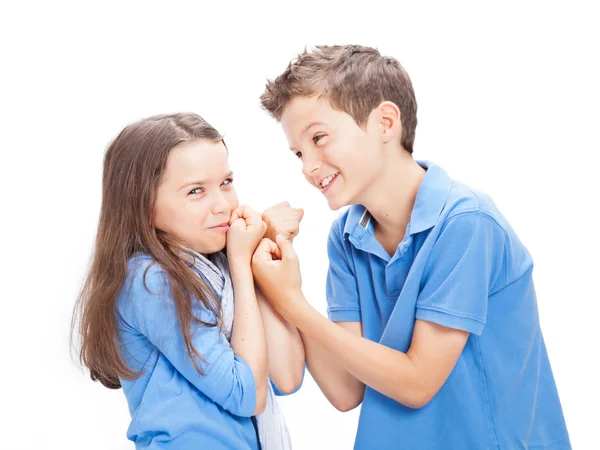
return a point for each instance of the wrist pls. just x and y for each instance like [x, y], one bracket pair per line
[295, 306]
[239, 265]
[272, 234]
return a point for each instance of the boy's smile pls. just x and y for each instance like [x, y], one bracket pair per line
[338, 157]
[326, 183]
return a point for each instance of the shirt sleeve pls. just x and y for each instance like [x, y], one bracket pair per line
[342, 289]
[462, 267]
[148, 306]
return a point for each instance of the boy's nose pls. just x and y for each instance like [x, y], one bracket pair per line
[309, 169]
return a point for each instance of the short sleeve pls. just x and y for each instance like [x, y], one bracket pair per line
[463, 265]
[342, 288]
[145, 303]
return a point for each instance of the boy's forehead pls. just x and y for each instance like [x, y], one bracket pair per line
[302, 112]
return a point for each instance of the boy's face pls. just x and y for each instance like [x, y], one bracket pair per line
[338, 157]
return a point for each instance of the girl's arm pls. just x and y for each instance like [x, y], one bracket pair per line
[247, 335]
[284, 348]
[227, 378]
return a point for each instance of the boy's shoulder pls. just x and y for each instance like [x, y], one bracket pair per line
[441, 198]
[464, 199]
[476, 207]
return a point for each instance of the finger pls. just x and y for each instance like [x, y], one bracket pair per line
[272, 248]
[243, 211]
[300, 212]
[286, 248]
[264, 228]
[265, 251]
[236, 214]
[251, 216]
[275, 251]
[238, 223]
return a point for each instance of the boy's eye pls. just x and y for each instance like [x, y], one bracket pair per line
[227, 182]
[196, 191]
[299, 155]
[318, 137]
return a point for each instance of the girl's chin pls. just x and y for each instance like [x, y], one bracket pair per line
[206, 248]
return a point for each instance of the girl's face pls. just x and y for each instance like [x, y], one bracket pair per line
[196, 196]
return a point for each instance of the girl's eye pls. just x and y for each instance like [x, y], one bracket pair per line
[318, 137]
[227, 182]
[299, 155]
[196, 191]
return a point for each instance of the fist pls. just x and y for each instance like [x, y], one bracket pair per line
[283, 220]
[277, 273]
[245, 232]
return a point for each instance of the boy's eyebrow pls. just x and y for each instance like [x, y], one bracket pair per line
[310, 125]
[306, 128]
[201, 182]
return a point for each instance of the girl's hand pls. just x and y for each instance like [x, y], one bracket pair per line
[282, 219]
[245, 232]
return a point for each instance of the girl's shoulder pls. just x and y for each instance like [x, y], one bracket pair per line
[143, 269]
[146, 282]
[146, 296]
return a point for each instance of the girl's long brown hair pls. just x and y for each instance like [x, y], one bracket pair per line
[133, 168]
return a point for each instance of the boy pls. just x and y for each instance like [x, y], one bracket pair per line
[434, 324]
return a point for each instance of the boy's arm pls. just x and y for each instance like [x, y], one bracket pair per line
[343, 390]
[463, 268]
[411, 378]
[285, 352]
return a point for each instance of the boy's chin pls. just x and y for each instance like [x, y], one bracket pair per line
[336, 203]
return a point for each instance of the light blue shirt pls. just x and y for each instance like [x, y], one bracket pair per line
[462, 266]
[172, 406]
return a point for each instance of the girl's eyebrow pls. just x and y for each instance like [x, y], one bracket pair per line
[202, 182]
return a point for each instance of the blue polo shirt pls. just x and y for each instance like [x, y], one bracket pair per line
[462, 266]
[172, 406]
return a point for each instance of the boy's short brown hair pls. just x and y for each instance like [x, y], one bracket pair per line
[354, 78]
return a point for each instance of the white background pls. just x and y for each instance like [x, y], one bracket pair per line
[508, 103]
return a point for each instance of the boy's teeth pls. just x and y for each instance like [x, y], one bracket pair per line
[327, 180]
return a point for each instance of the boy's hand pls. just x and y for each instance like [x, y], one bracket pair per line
[282, 219]
[277, 273]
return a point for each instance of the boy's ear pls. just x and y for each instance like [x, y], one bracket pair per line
[390, 121]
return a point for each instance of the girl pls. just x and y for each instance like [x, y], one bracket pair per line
[157, 312]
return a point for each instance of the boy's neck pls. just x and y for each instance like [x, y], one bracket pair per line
[391, 200]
